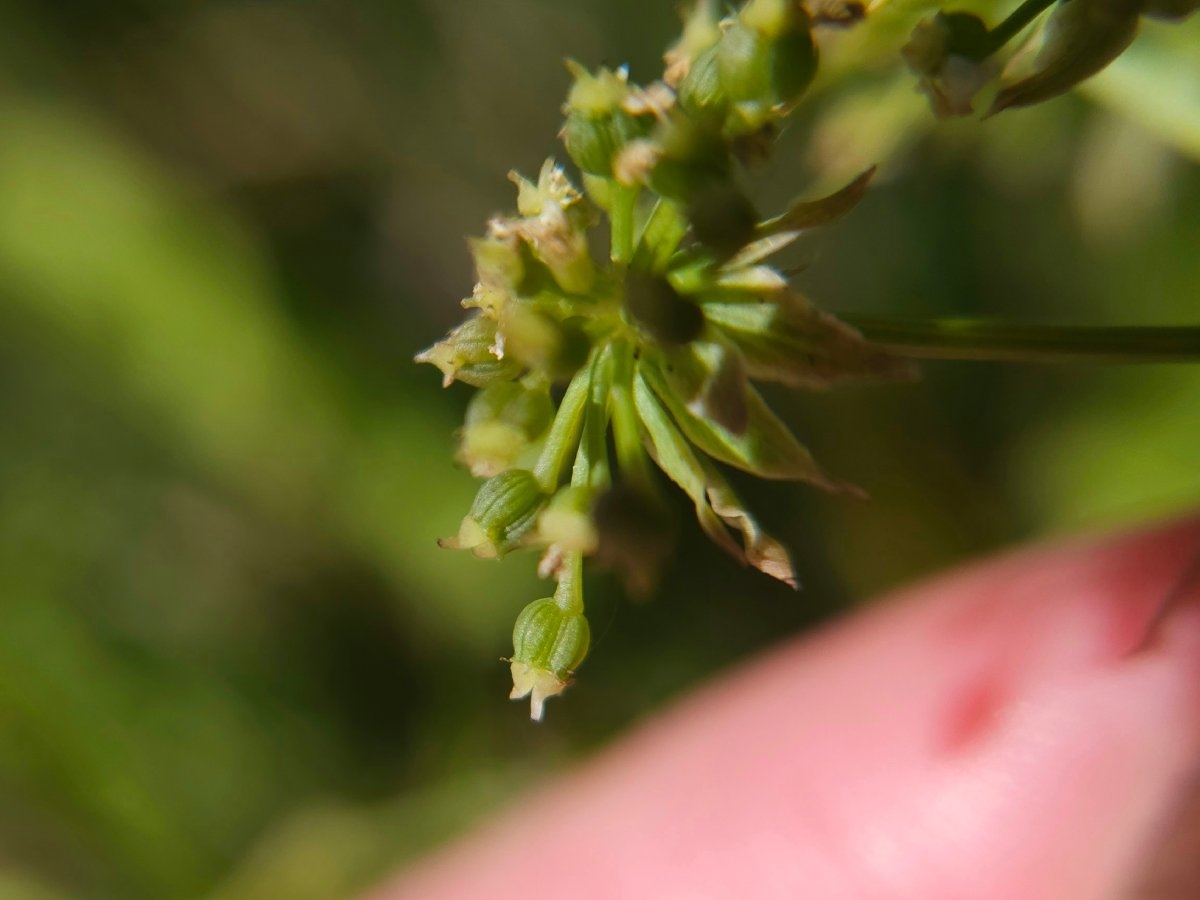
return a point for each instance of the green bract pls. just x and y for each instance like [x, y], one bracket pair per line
[652, 352]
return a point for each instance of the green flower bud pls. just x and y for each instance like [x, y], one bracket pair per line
[598, 121]
[660, 312]
[701, 31]
[553, 224]
[1081, 38]
[549, 643]
[765, 61]
[949, 53]
[505, 510]
[502, 422]
[701, 92]
[470, 353]
[498, 262]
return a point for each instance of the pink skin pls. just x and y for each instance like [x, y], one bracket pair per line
[1024, 729]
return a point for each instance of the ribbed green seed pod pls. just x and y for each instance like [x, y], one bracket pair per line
[597, 125]
[744, 61]
[507, 505]
[505, 510]
[549, 643]
[547, 637]
[765, 61]
[468, 354]
[593, 141]
[701, 93]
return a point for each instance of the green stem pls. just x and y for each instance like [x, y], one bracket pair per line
[564, 432]
[569, 593]
[624, 204]
[1015, 23]
[969, 340]
[627, 438]
[591, 459]
[660, 236]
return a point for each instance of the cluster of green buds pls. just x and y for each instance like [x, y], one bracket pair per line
[599, 360]
[955, 53]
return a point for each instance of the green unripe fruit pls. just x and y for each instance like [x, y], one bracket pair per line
[549, 643]
[590, 142]
[593, 142]
[528, 410]
[744, 61]
[597, 124]
[505, 510]
[548, 637]
[765, 61]
[468, 354]
[701, 93]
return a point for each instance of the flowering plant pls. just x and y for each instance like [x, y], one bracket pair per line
[599, 356]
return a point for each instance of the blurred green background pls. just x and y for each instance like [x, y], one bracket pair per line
[233, 663]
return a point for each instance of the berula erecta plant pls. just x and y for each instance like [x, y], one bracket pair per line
[622, 317]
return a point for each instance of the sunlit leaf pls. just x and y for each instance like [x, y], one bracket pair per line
[722, 398]
[675, 457]
[763, 552]
[717, 506]
[805, 214]
[765, 448]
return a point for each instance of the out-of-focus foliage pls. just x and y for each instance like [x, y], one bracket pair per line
[233, 662]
